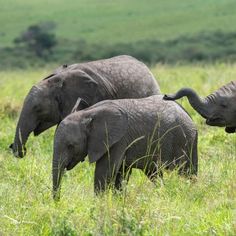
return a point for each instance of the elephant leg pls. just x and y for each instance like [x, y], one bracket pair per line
[123, 174]
[152, 172]
[107, 169]
[188, 171]
[190, 167]
[153, 175]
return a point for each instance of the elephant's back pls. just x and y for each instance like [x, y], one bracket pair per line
[154, 110]
[161, 106]
[127, 76]
[173, 114]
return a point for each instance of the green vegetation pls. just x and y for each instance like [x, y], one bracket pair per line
[111, 22]
[154, 31]
[37, 39]
[179, 207]
[214, 47]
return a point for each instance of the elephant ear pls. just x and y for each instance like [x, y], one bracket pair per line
[109, 125]
[55, 81]
[75, 79]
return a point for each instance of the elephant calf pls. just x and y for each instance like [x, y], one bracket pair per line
[149, 134]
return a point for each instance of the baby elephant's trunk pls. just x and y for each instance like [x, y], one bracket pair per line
[58, 168]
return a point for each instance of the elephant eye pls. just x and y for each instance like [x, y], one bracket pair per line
[223, 105]
[37, 108]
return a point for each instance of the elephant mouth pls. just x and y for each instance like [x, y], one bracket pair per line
[215, 121]
[72, 164]
[38, 130]
[42, 127]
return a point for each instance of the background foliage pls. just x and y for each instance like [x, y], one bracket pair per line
[153, 31]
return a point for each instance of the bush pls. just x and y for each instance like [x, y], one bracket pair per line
[205, 47]
[37, 39]
[209, 47]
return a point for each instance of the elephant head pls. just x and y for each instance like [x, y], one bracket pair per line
[48, 102]
[219, 108]
[89, 132]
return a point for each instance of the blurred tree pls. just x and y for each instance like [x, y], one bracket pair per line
[38, 39]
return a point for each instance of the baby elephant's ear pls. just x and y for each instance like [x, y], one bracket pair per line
[108, 127]
[79, 105]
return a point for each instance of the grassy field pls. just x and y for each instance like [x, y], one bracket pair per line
[179, 207]
[117, 21]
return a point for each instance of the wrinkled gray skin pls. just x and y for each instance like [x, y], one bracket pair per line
[219, 108]
[149, 134]
[53, 98]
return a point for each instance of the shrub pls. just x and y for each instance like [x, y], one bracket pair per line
[204, 47]
[37, 39]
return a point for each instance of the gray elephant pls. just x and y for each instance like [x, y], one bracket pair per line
[53, 98]
[149, 134]
[219, 108]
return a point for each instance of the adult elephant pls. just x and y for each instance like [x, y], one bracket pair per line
[219, 108]
[53, 98]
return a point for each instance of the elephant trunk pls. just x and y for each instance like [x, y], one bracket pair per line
[199, 104]
[58, 167]
[25, 126]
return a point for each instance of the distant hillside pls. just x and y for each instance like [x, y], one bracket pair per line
[123, 21]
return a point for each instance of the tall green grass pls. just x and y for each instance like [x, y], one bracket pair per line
[179, 207]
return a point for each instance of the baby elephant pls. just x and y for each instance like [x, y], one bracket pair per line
[149, 134]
